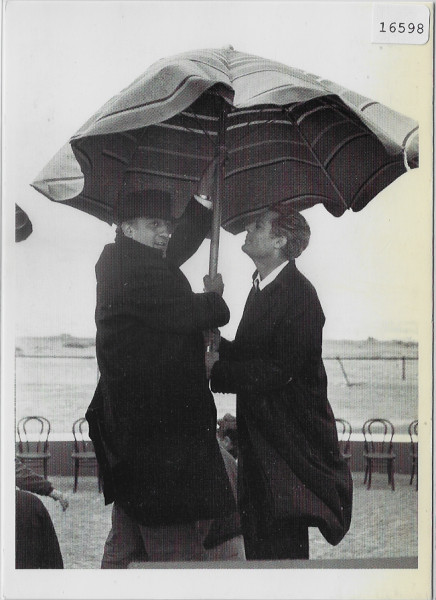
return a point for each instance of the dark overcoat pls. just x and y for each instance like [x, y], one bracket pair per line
[290, 466]
[153, 418]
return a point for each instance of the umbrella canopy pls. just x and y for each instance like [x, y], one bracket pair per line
[286, 136]
[23, 225]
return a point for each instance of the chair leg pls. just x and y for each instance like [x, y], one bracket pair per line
[416, 477]
[76, 474]
[369, 474]
[45, 461]
[392, 475]
[412, 473]
[98, 478]
[366, 472]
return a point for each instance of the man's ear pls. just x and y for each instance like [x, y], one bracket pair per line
[280, 242]
[126, 228]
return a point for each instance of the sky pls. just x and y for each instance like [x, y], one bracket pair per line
[63, 60]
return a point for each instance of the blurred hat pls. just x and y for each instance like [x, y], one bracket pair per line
[144, 203]
[23, 225]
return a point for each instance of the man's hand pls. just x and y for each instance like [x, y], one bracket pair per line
[210, 359]
[63, 500]
[207, 182]
[213, 284]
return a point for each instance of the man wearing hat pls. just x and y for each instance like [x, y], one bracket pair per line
[153, 418]
[290, 472]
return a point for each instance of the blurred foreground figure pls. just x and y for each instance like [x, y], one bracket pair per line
[36, 543]
[291, 473]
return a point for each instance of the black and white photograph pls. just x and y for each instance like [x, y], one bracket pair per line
[217, 222]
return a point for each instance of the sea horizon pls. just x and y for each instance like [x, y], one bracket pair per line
[66, 344]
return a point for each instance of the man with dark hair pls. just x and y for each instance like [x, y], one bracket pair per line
[153, 418]
[291, 474]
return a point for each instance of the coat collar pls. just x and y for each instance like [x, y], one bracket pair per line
[259, 303]
[283, 279]
[132, 248]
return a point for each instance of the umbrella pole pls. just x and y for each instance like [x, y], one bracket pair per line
[217, 204]
[218, 193]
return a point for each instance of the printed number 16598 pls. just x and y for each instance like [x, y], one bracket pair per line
[395, 27]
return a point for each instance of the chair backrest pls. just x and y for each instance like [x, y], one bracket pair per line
[413, 434]
[82, 443]
[378, 435]
[344, 434]
[33, 426]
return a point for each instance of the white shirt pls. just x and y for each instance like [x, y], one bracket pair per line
[270, 278]
[204, 200]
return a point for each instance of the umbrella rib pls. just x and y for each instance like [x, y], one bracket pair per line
[311, 112]
[268, 142]
[279, 159]
[336, 108]
[57, 179]
[248, 123]
[338, 148]
[406, 142]
[315, 197]
[289, 115]
[327, 128]
[93, 202]
[246, 111]
[128, 136]
[274, 89]
[373, 175]
[408, 136]
[117, 157]
[204, 117]
[258, 122]
[168, 152]
[162, 173]
[184, 128]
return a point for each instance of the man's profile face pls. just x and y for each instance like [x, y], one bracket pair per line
[259, 242]
[152, 232]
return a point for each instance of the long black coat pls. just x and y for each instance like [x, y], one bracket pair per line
[290, 465]
[153, 418]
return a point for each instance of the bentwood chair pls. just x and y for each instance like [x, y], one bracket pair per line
[413, 434]
[83, 451]
[344, 436]
[378, 435]
[33, 435]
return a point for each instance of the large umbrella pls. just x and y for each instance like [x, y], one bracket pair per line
[279, 134]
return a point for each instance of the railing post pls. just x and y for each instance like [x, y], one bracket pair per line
[343, 371]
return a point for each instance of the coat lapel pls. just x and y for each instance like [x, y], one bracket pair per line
[263, 304]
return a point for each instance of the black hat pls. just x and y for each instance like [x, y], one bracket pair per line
[144, 203]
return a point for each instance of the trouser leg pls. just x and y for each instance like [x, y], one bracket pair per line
[124, 543]
[182, 542]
